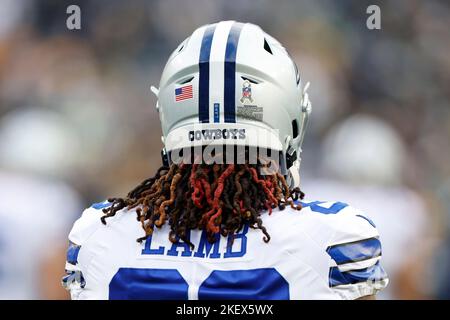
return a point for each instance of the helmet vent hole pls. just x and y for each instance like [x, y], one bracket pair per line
[182, 45]
[249, 80]
[267, 47]
[294, 129]
[185, 80]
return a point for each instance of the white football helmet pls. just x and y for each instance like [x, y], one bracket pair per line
[231, 83]
[355, 146]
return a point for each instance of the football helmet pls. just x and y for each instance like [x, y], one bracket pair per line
[355, 146]
[230, 83]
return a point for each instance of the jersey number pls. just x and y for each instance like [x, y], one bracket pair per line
[168, 284]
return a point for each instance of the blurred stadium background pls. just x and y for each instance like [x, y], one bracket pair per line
[78, 123]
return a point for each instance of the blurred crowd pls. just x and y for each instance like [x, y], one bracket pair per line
[78, 123]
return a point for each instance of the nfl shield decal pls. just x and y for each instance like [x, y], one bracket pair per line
[246, 91]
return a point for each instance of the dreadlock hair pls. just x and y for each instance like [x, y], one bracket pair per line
[218, 198]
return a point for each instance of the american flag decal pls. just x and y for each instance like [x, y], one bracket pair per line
[183, 93]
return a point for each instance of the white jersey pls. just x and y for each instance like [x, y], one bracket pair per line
[328, 250]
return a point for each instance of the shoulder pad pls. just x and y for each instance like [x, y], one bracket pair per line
[353, 225]
[86, 225]
[355, 249]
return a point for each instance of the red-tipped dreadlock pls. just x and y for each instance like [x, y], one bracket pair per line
[217, 198]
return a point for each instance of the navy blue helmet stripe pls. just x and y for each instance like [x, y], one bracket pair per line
[373, 273]
[229, 99]
[203, 82]
[355, 251]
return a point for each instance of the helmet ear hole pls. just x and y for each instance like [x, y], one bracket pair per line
[294, 129]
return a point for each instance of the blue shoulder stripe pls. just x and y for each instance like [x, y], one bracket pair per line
[72, 253]
[73, 277]
[355, 251]
[101, 205]
[373, 273]
[316, 206]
